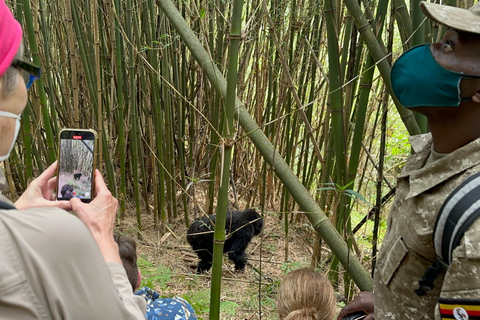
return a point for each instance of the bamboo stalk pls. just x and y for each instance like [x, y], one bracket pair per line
[32, 40]
[226, 147]
[379, 57]
[98, 72]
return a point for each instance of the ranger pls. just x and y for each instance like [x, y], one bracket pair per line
[440, 81]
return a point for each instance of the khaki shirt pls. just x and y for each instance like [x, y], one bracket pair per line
[407, 250]
[51, 268]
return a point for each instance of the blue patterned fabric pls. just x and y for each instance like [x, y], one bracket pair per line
[166, 308]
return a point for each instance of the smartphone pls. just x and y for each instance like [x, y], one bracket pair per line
[77, 154]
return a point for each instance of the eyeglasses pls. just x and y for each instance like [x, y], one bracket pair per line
[32, 72]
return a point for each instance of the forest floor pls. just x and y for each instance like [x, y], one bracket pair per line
[167, 263]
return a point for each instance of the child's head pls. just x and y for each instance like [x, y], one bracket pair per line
[128, 253]
[305, 294]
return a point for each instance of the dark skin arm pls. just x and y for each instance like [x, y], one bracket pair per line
[363, 302]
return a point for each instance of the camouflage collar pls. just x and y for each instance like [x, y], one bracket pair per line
[423, 176]
[420, 142]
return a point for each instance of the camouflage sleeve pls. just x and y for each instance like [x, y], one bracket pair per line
[460, 293]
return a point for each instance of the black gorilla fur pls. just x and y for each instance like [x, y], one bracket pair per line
[241, 227]
[67, 191]
[77, 176]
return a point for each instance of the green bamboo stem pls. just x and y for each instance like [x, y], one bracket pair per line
[158, 182]
[338, 124]
[384, 108]
[417, 16]
[98, 72]
[168, 155]
[73, 65]
[363, 101]
[418, 37]
[182, 110]
[347, 35]
[335, 94]
[119, 76]
[32, 40]
[82, 46]
[45, 30]
[404, 23]
[214, 111]
[26, 130]
[226, 147]
[383, 66]
[289, 79]
[143, 119]
[134, 132]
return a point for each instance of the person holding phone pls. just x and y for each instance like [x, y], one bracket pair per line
[53, 266]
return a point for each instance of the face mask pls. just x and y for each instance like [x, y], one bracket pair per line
[419, 81]
[17, 129]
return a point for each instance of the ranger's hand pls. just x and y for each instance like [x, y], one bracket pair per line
[365, 302]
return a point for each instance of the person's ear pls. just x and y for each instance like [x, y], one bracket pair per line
[139, 281]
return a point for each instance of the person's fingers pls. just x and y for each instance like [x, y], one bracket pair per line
[342, 314]
[357, 304]
[100, 185]
[77, 206]
[371, 316]
[65, 205]
[52, 183]
[48, 190]
[349, 308]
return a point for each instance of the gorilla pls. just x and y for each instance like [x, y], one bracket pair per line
[241, 227]
[77, 176]
[67, 192]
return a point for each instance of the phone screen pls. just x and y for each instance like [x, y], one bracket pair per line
[76, 165]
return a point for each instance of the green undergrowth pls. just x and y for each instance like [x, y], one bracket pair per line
[160, 278]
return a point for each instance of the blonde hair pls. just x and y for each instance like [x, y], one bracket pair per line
[305, 294]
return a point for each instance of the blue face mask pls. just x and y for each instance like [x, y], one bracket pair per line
[419, 81]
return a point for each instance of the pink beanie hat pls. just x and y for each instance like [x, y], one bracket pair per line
[10, 37]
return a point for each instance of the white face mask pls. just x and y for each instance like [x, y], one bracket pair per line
[17, 129]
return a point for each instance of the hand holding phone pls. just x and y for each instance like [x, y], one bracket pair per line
[41, 192]
[362, 307]
[99, 216]
[77, 155]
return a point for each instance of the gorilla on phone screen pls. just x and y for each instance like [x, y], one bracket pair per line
[67, 192]
[240, 228]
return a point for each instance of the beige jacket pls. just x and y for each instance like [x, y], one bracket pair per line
[407, 250]
[51, 268]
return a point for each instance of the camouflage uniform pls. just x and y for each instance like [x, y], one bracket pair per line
[407, 250]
